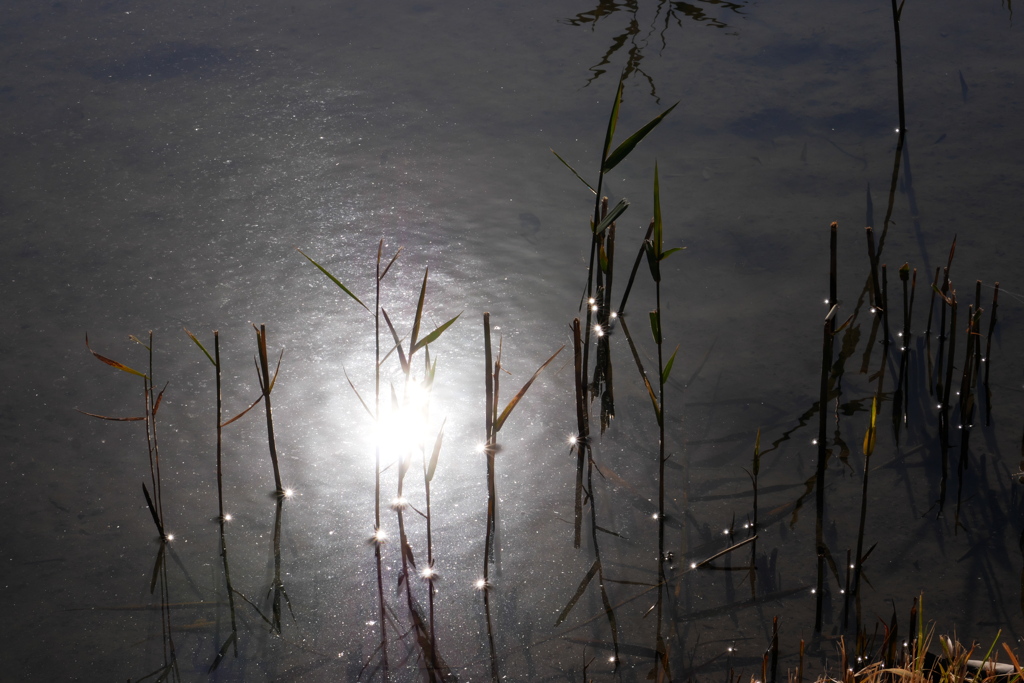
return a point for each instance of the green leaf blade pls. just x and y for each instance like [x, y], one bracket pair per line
[668, 366]
[419, 316]
[612, 216]
[613, 121]
[566, 163]
[656, 326]
[200, 345]
[432, 337]
[333, 279]
[627, 146]
[432, 465]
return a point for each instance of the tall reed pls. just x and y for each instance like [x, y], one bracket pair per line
[493, 422]
[266, 386]
[378, 538]
[222, 517]
[151, 401]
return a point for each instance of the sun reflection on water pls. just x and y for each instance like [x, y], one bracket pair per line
[404, 430]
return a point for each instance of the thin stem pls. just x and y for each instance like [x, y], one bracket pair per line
[376, 481]
[220, 429]
[261, 342]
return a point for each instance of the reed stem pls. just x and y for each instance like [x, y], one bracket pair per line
[220, 428]
[265, 383]
[988, 354]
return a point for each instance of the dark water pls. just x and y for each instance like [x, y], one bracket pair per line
[161, 162]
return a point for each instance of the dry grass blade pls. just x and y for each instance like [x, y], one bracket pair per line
[112, 419]
[140, 342]
[1013, 659]
[390, 263]
[200, 345]
[113, 363]
[239, 416]
[273, 379]
[725, 552]
[640, 367]
[515, 399]
[334, 279]
[159, 398]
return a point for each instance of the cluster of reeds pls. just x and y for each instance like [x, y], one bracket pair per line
[154, 501]
[423, 625]
[955, 399]
[595, 384]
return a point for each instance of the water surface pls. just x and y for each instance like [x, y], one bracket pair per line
[162, 162]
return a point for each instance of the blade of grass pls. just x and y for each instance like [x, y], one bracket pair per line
[398, 343]
[432, 465]
[574, 172]
[419, 315]
[611, 217]
[432, 337]
[113, 419]
[236, 417]
[113, 363]
[356, 391]
[640, 367]
[623, 150]
[334, 279]
[668, 369]
[613, 120]
[515, 399]
[390, 263]
[200, 345]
